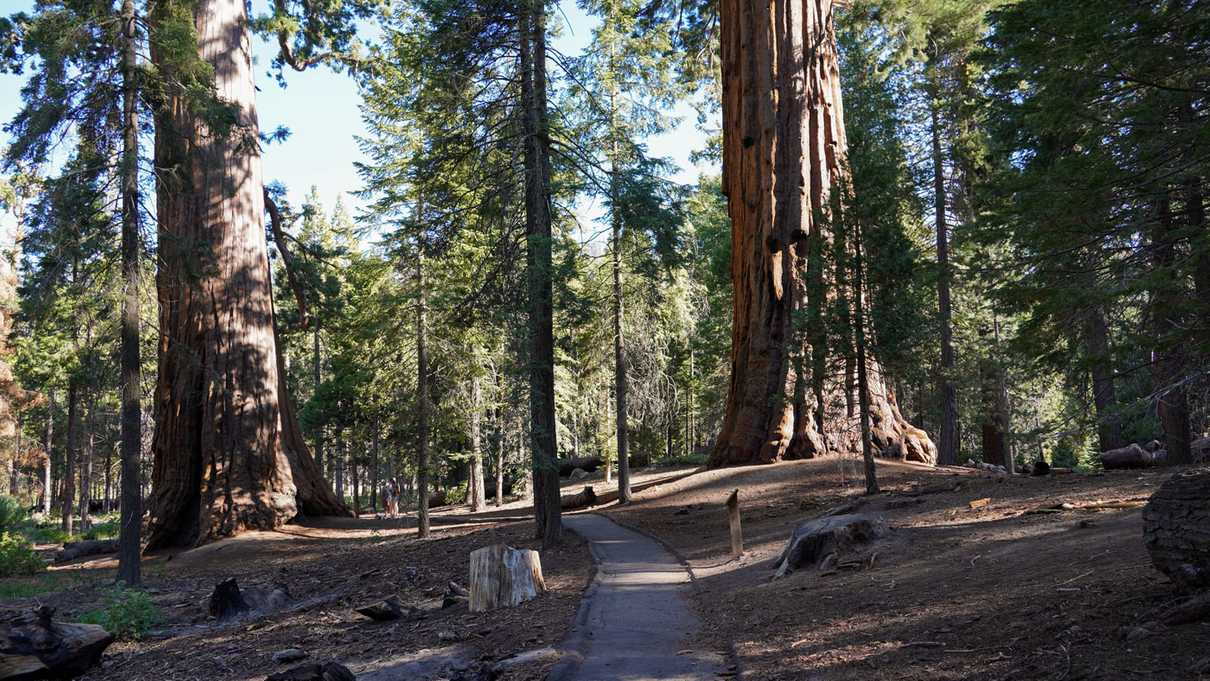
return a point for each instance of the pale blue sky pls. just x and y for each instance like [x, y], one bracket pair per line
[321, 110]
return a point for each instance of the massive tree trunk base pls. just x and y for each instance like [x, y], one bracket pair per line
[1176, 528]
[783, 171]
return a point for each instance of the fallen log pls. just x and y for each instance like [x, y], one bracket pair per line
[89, 547]
[34, 646]
[315, 671]
[1132, 456]
[502, 576]
[383, 611]
[583, 499]
[588, 464]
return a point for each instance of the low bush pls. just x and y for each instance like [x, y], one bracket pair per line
[11, 514]
[127, 614]
[17, 557]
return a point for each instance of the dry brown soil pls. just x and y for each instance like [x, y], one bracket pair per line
[329, 568]
[954, 593]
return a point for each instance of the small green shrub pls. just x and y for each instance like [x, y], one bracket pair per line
[46, 532]
[104, 530]
[46, 582]
[11, 514]
[127, 613]
[17, 557]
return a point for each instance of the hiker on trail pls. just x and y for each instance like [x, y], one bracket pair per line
[393, 498]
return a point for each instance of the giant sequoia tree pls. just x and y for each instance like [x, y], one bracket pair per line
[783, 162]
[229, 454]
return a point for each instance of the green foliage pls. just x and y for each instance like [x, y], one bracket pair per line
[17, 557]
[127, 613]
[12, 514]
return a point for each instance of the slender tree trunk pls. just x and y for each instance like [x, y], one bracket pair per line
[478, 493]
[500, 434]
[67, 497]
[544, 453]
[783, 156]
[1168, 361]
[356, 473]
[863, 380]
[317, 370]
[86, 464]
[619, 340]
[375, 482]
[947, 445]
[227, 454]
[47, 482]
[422, 401]
[1104, 397]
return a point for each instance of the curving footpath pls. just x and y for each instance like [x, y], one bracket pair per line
[634, 623]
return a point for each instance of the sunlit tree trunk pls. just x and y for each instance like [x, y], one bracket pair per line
[478, 495]
[783, 152]
[227, 456]
[947, 444]
[67, 496]
[47, 482]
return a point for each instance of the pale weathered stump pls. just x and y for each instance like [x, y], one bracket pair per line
[815, 540]
[1176, 528]
[502, 577]
[33, 646]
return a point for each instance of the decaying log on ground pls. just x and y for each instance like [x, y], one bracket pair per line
[383, 611]
[1176, 528]
[1132, 456]
[582, 499]
[315, 671]
[34, 646]
[228, 600]
[815, 541]
[89, 547]
[454, 594]
[502, 576]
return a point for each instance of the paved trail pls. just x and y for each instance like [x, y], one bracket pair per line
[634, 623]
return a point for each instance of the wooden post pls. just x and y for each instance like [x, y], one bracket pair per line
[737, 533]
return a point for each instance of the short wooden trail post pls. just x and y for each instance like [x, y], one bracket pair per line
[737, 533]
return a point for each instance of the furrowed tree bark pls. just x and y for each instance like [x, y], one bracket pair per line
[532, 26]
[863, 381]
[947, 445]
[422, 402]
[86, 463]
[1167, 368]
[1104, 397]
[227, 454]
[783, 156]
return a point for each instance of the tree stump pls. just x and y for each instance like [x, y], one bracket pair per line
[813, 541]
[33, 646]
[502, 577]
[1176, 528]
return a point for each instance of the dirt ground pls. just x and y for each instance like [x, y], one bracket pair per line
[329, 568]
[955, 592]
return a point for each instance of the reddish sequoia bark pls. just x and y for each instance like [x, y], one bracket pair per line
[228, 452]
[783, 150]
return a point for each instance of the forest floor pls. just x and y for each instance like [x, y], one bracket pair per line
[1014, 589]
[329, 567]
